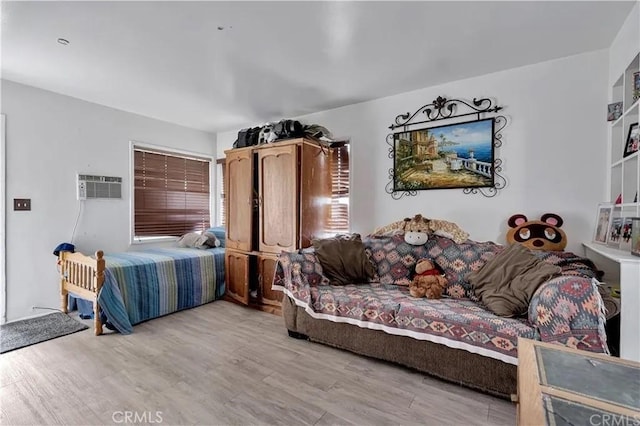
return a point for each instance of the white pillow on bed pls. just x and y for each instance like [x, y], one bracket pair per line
[194, 240]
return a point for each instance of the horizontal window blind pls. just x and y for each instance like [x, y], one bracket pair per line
[339, 221]
[171, 194]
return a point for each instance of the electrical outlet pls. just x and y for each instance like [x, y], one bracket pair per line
[21, 204]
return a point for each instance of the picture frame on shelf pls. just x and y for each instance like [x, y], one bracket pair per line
[614, 111]
[626, 234]
[614, 235]
[635, 236]
[633, 140]
[603, 222]
[636, 85]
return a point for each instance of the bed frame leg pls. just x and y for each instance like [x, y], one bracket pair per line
[96, 319]
[64, 300]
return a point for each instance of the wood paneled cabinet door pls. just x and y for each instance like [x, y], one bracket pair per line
[266, 272]
[237, 275]
[278, 198]
[315, 193]
[239, 193]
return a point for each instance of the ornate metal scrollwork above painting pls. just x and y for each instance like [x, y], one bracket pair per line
[461, 154]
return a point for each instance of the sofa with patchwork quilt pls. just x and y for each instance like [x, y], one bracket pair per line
[456, 338]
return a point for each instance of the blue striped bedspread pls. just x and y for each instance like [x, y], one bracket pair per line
[148, 284]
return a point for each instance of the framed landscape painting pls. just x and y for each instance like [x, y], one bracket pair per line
[459, 155]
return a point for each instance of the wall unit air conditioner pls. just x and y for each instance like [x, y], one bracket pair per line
[99, 187]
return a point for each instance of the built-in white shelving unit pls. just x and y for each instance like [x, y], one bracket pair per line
[622, 269]
[625, 171]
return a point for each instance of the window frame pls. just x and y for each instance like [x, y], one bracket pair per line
[221, 196]
[334, 199]
[133, 240]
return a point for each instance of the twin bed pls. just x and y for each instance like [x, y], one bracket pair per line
[132, 287]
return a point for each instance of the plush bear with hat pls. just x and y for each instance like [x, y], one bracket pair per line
[428, 281]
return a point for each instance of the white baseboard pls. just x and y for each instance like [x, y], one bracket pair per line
[41, 313]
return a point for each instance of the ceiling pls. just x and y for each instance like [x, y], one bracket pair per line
[269, 60]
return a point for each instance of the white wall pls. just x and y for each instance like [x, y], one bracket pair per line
[49, 139]
[3, 180]
[625, 45]
[554, 150]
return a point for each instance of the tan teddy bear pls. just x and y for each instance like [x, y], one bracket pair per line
[428, 282]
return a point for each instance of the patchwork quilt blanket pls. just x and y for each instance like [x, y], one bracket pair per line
[565, 310]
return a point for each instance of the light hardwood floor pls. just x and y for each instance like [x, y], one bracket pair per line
[222, 364]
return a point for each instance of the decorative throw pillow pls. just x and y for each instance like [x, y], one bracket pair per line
[458, 260]
[394, 259]
[193, 240]
[506, 283]
[219, 232]
[343, 259]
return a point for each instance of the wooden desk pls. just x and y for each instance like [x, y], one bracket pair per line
[562, 386]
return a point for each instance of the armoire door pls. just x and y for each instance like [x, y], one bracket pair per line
[236, 267]
[315, 193]
[239, 193]
[266, 273]
[278, 198]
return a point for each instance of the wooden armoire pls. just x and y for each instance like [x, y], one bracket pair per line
[278, 199]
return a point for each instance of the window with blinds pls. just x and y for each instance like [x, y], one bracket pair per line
[339, 221]
[171, 194]
[222, 202]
